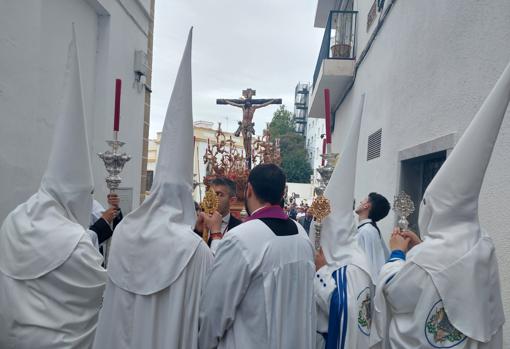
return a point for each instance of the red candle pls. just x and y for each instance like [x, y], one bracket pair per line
[116, 118]
[327, 106]
[323, 150]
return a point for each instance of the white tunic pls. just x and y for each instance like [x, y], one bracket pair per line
[359, 300]
[260, 291]
[57, 310]
[370, 241]
[162, 320]
[414, 312]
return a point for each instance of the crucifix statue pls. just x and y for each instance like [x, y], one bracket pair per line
[246, 126]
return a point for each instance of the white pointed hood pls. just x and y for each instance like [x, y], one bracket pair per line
[154, 243]
[455, 245]
[338, 237]
[40, 234]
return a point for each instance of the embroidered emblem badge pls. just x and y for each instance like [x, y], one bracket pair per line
[364, 301]
[439, 331]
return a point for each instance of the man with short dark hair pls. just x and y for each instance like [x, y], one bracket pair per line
[370, 211]
[260, 290]
[225, 190]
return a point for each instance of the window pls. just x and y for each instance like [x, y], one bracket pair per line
[150, 178]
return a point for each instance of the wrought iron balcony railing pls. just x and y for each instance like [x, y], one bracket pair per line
[339, 41]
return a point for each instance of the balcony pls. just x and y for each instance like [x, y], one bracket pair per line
[336, 61]
[301, 96]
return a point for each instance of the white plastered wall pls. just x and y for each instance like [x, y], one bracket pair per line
[34, 36]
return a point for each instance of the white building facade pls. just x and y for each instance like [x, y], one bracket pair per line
[315, 130]
[425, 68]
[34, 39]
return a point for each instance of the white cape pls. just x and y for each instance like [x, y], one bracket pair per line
[410, 312]
[58, 310]
[162, 320]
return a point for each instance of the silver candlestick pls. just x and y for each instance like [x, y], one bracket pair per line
[403, 207]
[326, 171]
[114, 162]
[320, 206]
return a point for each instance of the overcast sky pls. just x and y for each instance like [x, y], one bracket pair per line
[268, 45]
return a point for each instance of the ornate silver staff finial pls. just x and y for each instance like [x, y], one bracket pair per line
[321, 207]
[114, 162]
[403, 207]
[326, 171]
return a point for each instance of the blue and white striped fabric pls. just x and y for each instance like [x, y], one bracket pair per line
[337, 327]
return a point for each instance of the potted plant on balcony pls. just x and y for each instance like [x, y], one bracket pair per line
[341, 51]
[342, 44]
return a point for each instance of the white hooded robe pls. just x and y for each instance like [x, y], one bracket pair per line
[51, 279]
[446, 294]
[350, 292]
[157, 264]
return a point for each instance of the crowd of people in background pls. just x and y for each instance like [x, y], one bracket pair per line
[300, 213]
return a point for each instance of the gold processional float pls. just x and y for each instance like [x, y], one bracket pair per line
[224, 159]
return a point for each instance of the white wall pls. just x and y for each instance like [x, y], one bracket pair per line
[426, 75]
[304, 190]
[34, 36]
[315, 128]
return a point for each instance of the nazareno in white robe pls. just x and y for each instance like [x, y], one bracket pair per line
[411, 311]
[260, 291]
[354, 287]
[157, 264]
[447, 293]
[51, 279]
